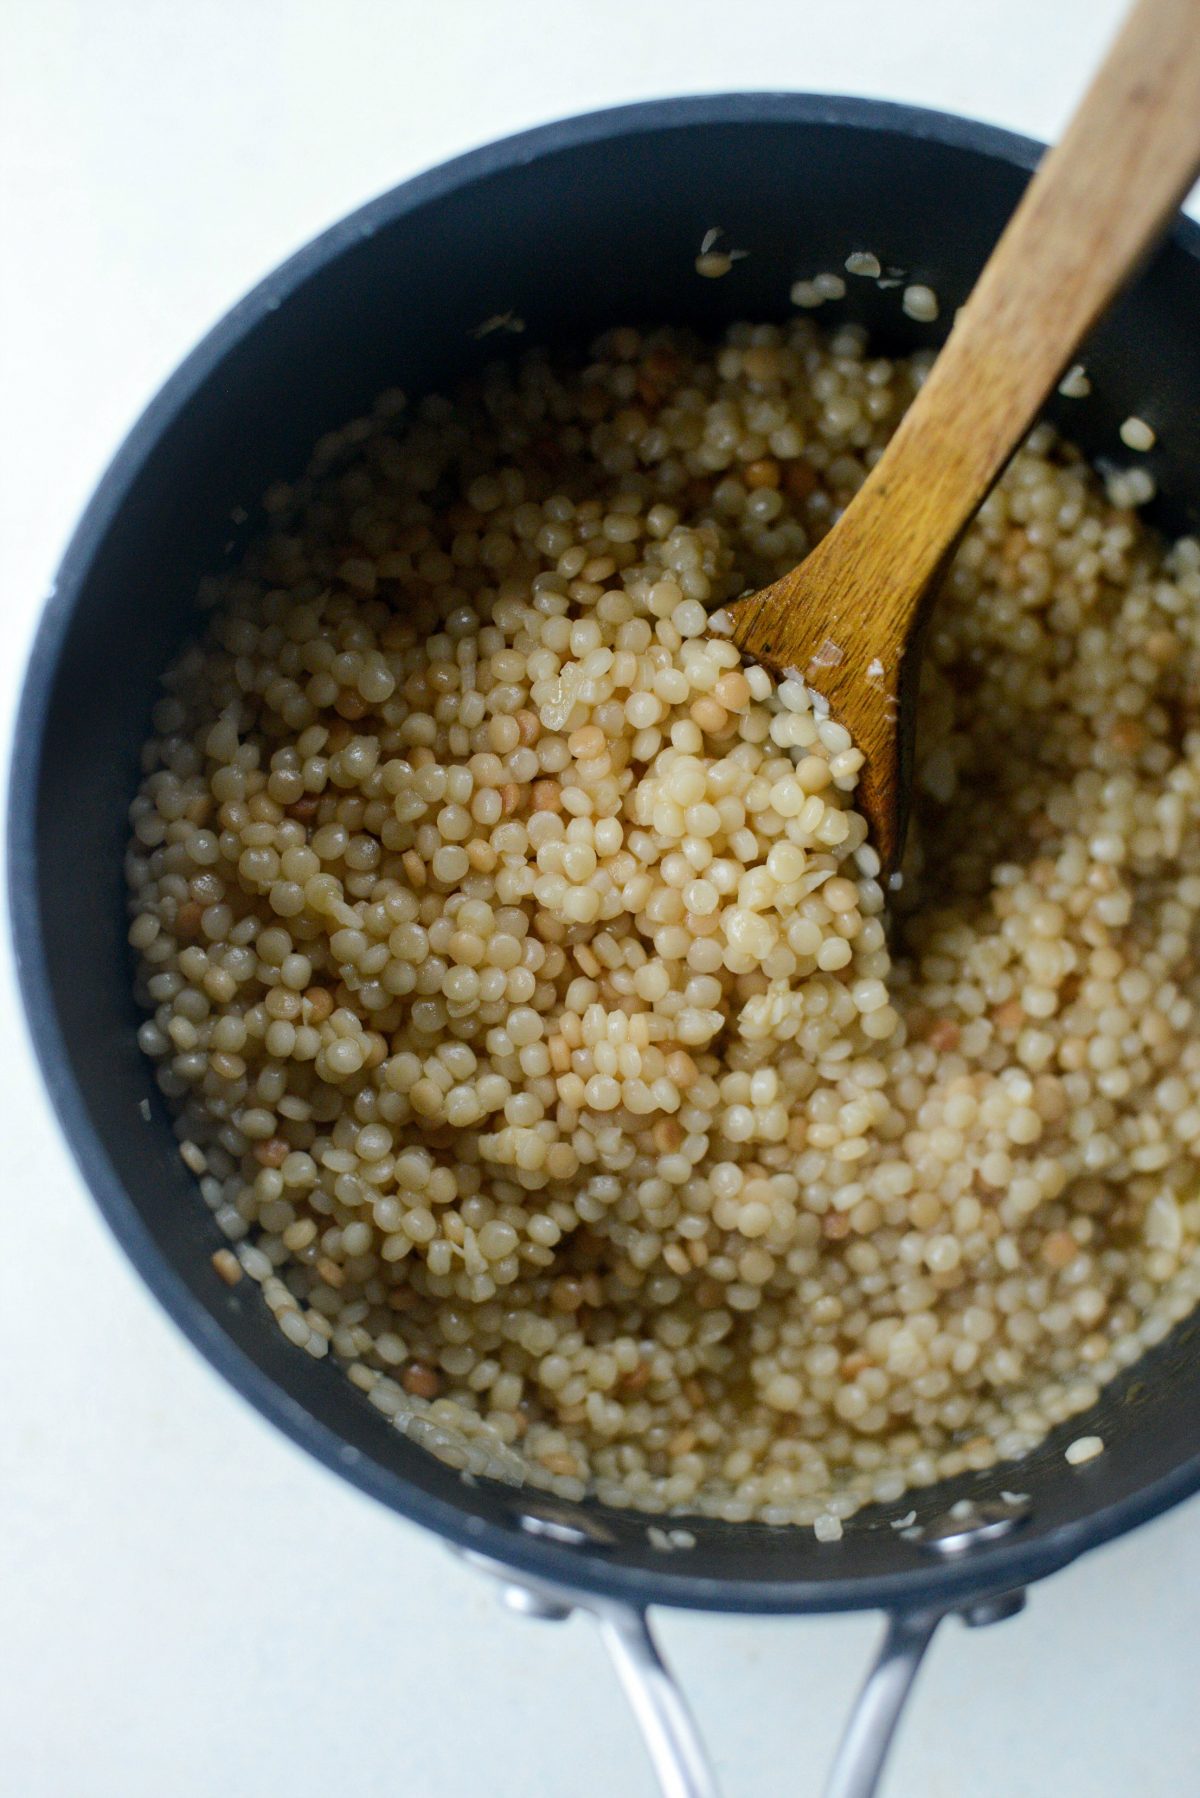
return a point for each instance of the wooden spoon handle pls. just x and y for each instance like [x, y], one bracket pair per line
[1097, 202]
[848, 618]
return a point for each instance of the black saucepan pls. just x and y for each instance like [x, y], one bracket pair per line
[569, 229]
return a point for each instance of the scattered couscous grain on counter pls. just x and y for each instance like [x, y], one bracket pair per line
[517, 967]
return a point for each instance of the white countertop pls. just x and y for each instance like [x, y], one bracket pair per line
[189, 1605]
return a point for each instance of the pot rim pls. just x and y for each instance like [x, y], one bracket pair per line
[1005, 1565]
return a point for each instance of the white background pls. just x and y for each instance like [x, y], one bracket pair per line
[188, 1606]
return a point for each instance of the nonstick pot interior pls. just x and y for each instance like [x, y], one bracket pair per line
[566, 230]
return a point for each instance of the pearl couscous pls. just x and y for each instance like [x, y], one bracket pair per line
[518, 967]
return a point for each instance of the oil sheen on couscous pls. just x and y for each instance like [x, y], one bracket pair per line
[521, 978]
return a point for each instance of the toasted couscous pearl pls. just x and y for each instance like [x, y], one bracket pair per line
[920, 302]
[1075, 384]
[515, 961]
[1136, 434]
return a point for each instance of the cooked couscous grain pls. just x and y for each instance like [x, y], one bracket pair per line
[920, 303]
[516, 962]
[714, 261]
[1130, 487]
[807, 294]
[499, 322]
[1136, 434]
[1075, 384]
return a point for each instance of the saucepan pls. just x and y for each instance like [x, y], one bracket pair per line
[559, 233]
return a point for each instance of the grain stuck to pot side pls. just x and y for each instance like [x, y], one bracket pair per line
[517, 966]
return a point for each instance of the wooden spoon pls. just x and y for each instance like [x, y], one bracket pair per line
[849, 619]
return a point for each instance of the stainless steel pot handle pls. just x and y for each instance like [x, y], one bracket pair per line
[677, 1754]
[858, 1765]
[676, 1751]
